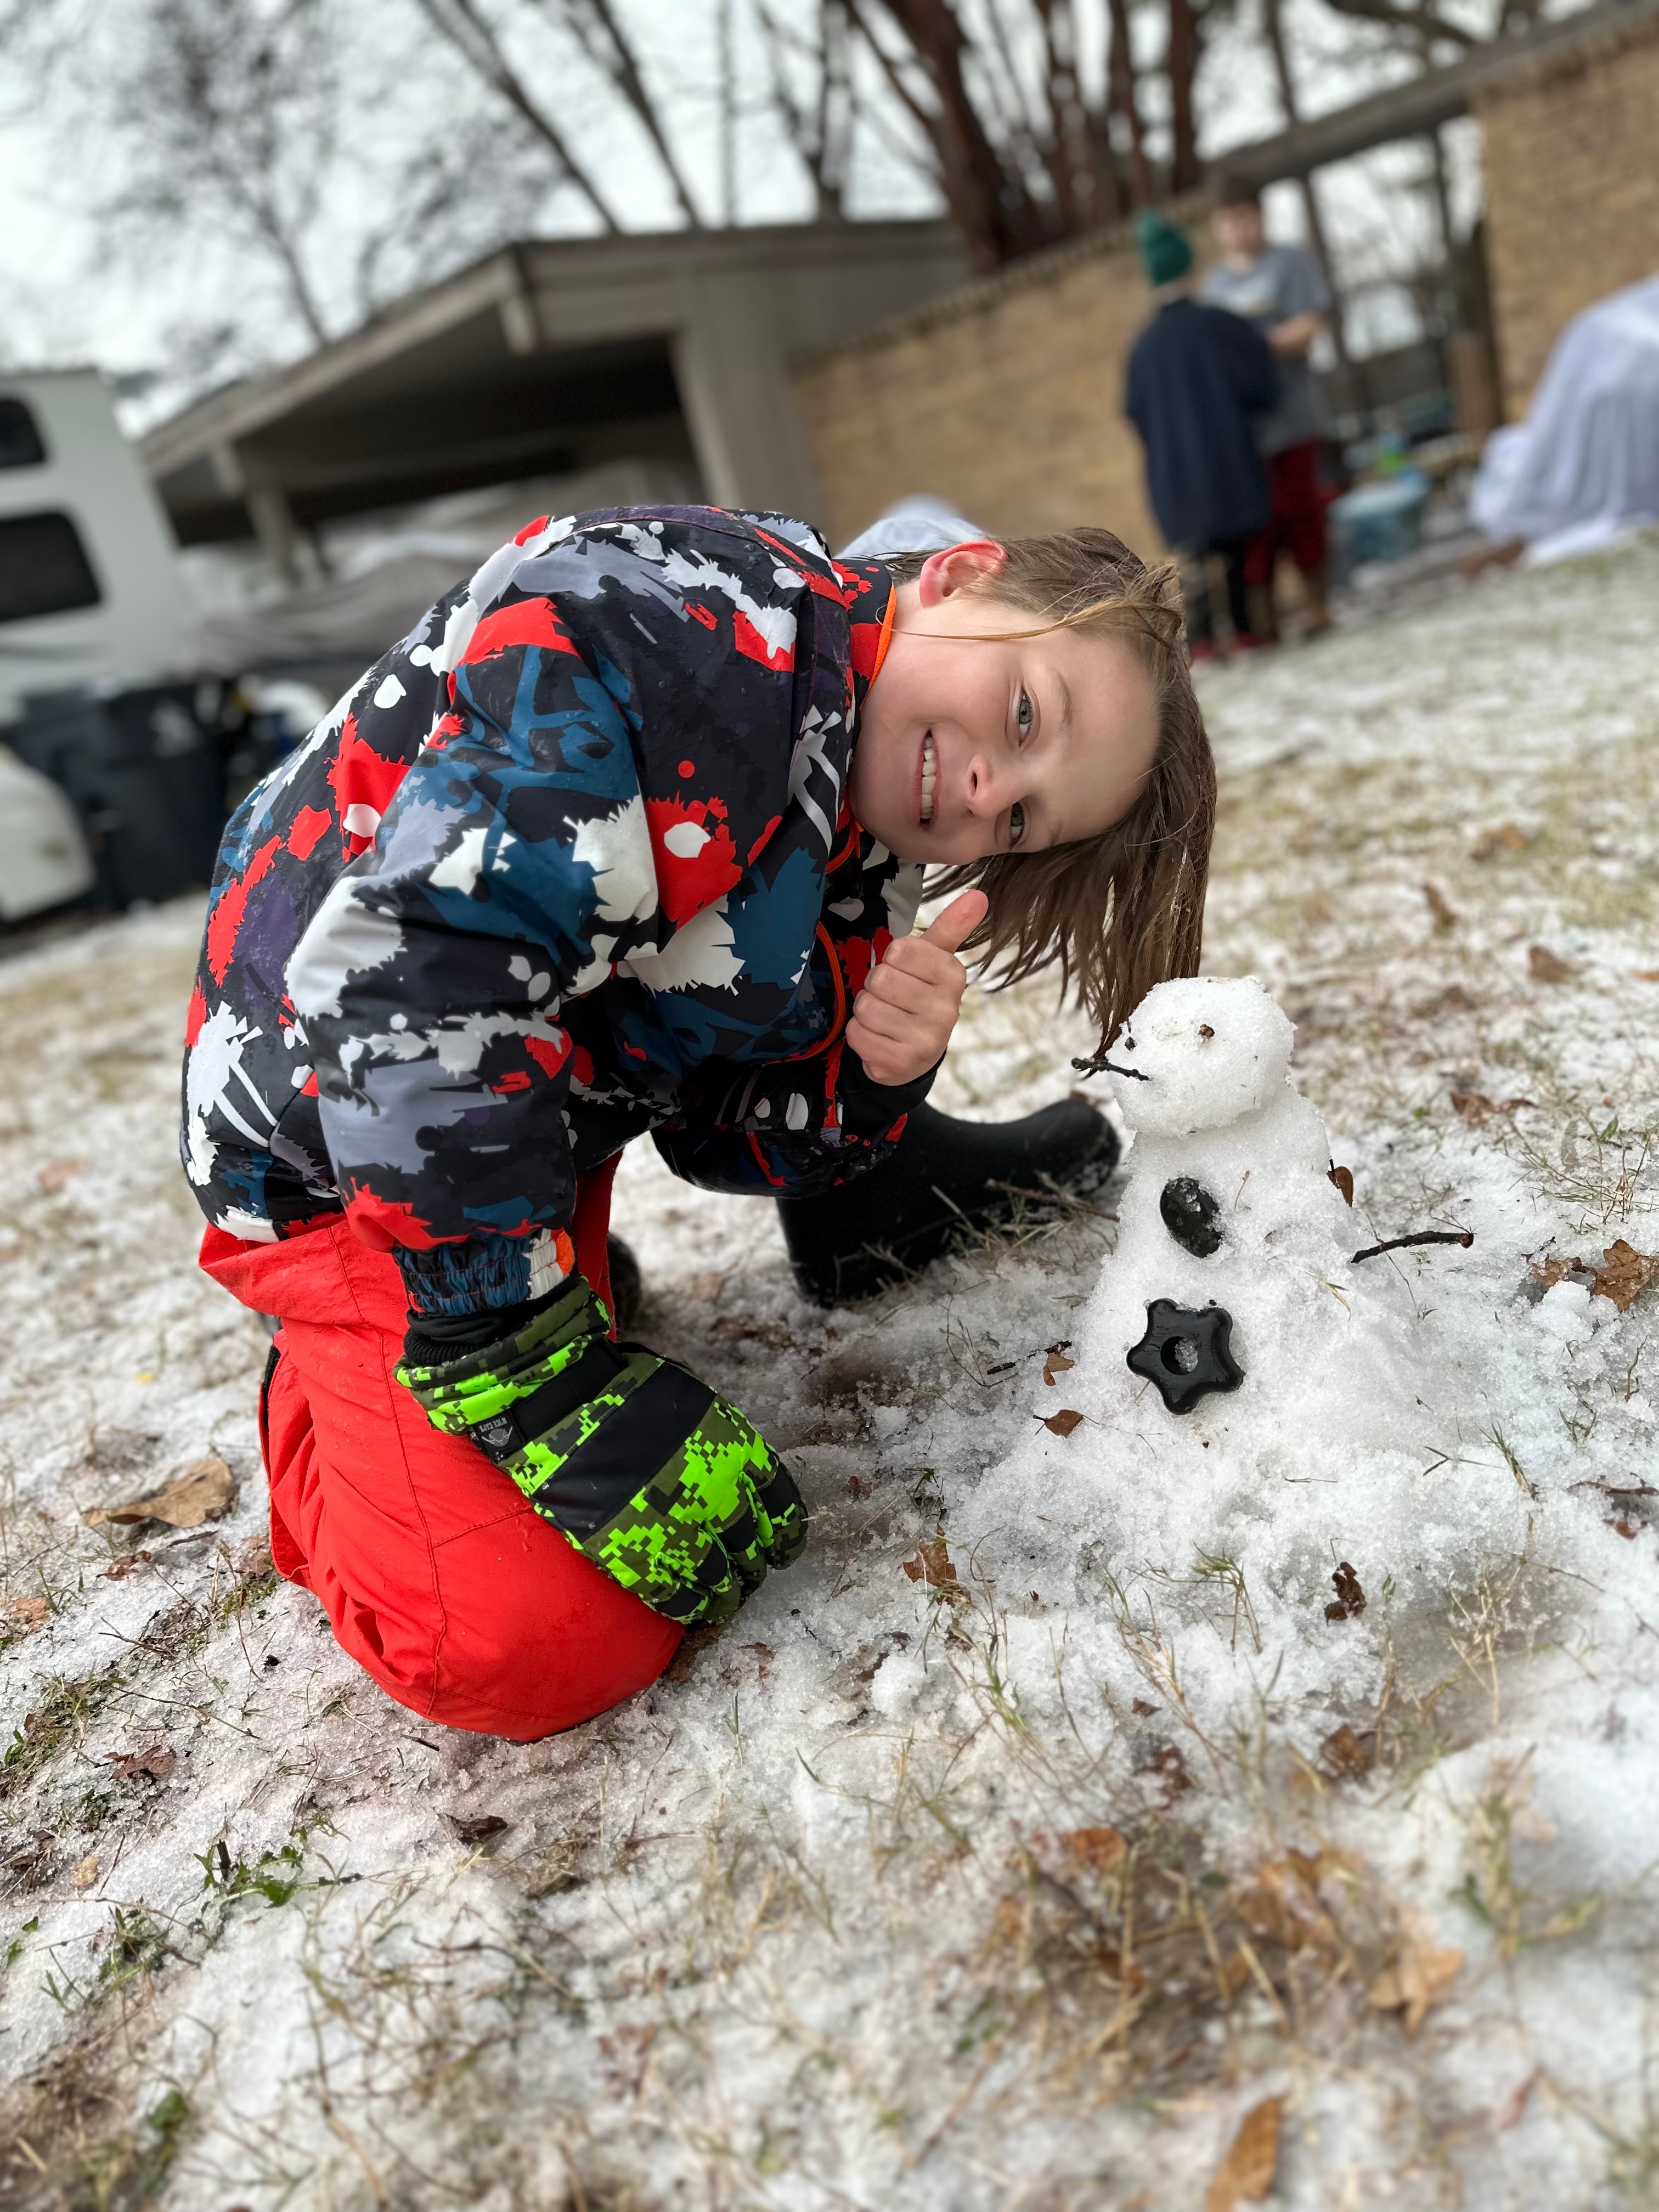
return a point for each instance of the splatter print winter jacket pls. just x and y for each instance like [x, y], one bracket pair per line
[573, 861]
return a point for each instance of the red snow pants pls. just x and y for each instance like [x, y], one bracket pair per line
[434, 1573]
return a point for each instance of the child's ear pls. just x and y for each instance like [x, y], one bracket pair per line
[957, 568]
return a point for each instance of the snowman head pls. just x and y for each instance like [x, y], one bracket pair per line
[1198, 1052]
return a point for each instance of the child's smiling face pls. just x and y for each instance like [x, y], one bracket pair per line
[970, 743]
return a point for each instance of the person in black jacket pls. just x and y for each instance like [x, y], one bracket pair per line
[1196, 377]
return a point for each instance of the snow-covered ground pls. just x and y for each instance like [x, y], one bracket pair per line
[1022, 1888]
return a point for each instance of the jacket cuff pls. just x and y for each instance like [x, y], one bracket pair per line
[484, 1274]
[867, 1109]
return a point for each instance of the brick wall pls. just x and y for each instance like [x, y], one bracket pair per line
[1571, 155]
[1005, 398]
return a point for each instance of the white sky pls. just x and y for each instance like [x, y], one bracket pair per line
[71, 296]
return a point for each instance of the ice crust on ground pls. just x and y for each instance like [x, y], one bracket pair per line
[833, 1917]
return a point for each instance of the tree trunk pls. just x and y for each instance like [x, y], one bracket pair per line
[987, 205]
[1124, 99]
[1181, 65]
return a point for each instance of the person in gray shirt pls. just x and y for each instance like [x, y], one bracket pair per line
[1282, 290]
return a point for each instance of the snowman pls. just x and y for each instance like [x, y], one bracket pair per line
[1232, 1309]
[1248, 1394]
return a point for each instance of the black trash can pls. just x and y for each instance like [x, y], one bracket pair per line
[145, 770]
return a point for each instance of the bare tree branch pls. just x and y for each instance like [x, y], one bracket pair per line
[1273, 30]
[462, 24]
[237, 112]
[1417, 22]
[594, 26]
[818, 134]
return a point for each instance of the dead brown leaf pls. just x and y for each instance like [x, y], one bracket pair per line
[1417, 1978]
[1088, 1851]
[253, 1559]
[477, 1830]
[1544, 966]
[157, 1760]
[1502, 556]
[1443, 916]
[1056, 1363]
[1509, 2113]
[1474, 1107]
[119, 1570]
[56, 1173]
[29, 1613]
[751, 1329]
[932, 1563]
[1063, 1422]
[86, 1872]
[1350, 1597]
[1283, 1905]
[694, 1641]
[1454, 1000]
[1550, 1271]
[1112, 1963]
[1645, 975]
[1170, 1769]
[1623, 1274]
[1343, 1178]
[1507, 837]
[201, 1493]
[1246, 2174]
[1344, 1752]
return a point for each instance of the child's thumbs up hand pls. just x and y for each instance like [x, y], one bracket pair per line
[903, 1017]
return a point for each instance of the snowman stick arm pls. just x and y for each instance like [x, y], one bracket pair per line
[1464, 1236]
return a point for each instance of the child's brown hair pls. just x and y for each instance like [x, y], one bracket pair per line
[1124, 910]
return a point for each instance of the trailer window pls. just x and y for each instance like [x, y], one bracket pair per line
[43, 569]
[21, 445]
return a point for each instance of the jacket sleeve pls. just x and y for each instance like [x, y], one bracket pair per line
[1251, 369]
[511, 867]
[1134, 398]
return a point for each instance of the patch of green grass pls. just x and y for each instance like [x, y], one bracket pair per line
[66, 1706]
[274, 1875]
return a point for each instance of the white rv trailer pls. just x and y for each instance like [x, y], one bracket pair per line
[90, 595]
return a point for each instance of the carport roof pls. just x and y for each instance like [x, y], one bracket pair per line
[605, 304]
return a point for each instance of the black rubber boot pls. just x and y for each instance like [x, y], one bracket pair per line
[938, 1187]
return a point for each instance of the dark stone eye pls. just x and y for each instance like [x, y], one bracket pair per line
[1191, 1215]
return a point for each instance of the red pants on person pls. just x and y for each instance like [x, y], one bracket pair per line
[1297, 524]
[436, 1575]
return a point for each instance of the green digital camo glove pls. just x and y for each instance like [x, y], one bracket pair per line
[655, 1478]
